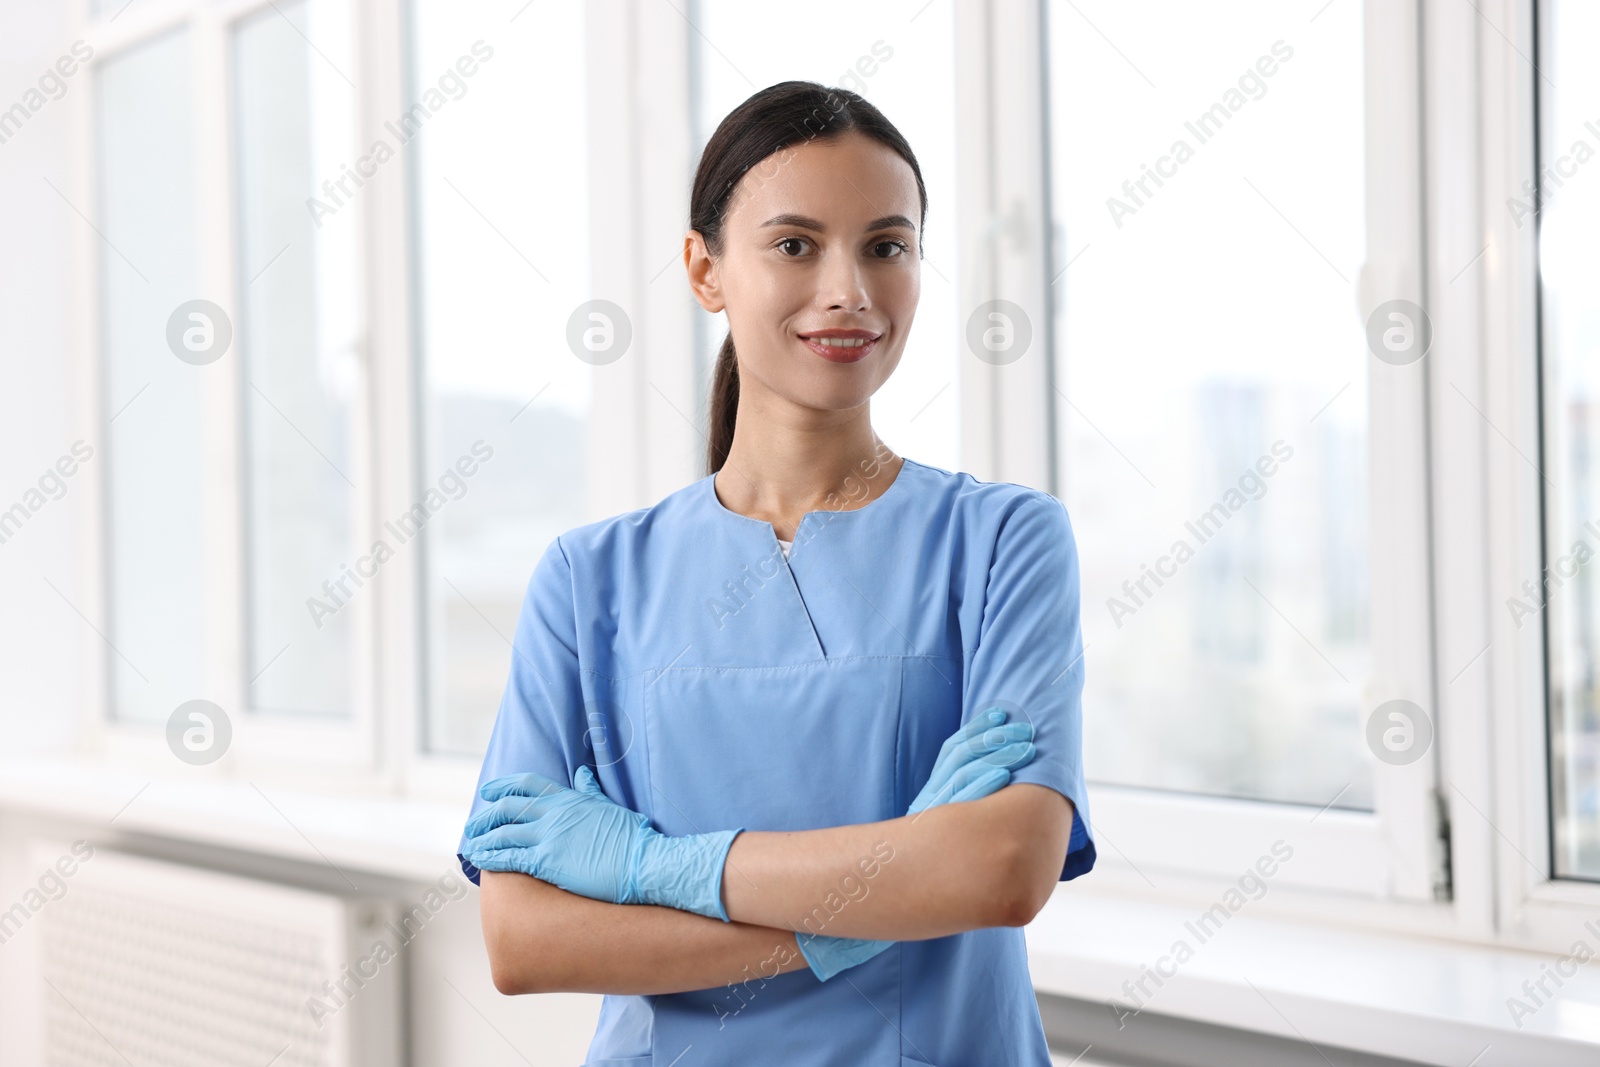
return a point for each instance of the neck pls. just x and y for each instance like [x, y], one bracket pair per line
[778, 469]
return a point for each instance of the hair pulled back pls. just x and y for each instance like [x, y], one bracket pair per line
[770, 121]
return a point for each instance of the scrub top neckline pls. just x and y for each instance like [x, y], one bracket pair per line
[710, 482]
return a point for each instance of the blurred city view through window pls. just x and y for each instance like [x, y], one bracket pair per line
[501, 260]
[1212, 396]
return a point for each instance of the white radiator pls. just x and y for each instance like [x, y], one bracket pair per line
[150, 962]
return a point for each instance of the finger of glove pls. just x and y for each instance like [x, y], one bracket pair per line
[530, 784]
[969, 782]
[987, 748]
[976, 786]
[512, 835]
[512, 809]
[1017, 754]
[585, 782]
[999, 736]
[506, 860]
[978, 778]
[986, 719]
[588, 785]
[852, 952]
[939, 792]
[828, 956]
[959, 745]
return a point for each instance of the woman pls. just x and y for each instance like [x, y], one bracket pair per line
[754, 740]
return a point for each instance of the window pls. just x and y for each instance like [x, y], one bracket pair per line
[1213, 393]
[1566, 209]
[145, 156]
[300, 347]
[501, 263]
[1248, 479]
[1215, 451]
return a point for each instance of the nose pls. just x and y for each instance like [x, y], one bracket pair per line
[843, 284]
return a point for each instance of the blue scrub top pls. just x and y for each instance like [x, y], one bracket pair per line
[710, 683]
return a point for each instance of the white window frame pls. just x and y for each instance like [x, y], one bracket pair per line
[1528, 907]
[1155, 836]
[340, 752]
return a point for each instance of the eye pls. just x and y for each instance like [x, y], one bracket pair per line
[905, 249]
[790, 240]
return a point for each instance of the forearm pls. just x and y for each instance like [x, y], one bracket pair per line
[542, 939]
[946, 870]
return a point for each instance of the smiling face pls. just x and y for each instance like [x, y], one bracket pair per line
[820, 245]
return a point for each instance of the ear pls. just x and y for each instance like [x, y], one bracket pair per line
[702, 271]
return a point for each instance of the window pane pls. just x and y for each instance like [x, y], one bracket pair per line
[154, 445]
[502, 261]
[1212, 391]
[1568, 214]
[908, 48]
[299, 341]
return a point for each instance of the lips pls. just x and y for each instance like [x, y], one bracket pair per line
[841, 353]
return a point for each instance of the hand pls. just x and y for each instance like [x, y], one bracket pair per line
[976, 760]
[586, 843]
[973, 762]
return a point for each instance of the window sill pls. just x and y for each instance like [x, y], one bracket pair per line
[393, 836]
[1414, 998]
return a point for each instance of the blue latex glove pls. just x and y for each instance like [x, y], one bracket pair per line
[584, 842]
[976, 760]
[973, 762]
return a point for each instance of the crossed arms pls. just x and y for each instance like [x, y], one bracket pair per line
[952, 868]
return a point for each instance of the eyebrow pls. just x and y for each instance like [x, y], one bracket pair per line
[806, 222]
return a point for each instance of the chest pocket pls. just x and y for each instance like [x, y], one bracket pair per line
[774, 748]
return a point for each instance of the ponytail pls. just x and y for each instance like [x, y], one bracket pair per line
[724, 406]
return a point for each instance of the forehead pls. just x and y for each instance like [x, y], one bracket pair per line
[844, 183]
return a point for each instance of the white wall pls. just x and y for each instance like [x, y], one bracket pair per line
[41, 637]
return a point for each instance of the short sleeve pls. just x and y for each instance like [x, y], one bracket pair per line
[541, 723]
[1029, 656]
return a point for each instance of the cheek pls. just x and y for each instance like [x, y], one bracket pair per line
[899, 298]
[765, 297]
[898, 293]
[886, 367]
[911, 288]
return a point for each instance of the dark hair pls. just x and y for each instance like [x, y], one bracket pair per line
[768, 122]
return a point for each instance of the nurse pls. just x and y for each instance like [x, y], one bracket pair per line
[787, 759]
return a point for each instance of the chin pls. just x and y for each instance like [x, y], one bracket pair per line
[836, 397]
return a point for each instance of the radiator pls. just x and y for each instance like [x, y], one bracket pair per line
[151, 962]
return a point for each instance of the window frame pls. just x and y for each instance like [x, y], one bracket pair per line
[639, 424]
[1513, 854]
[332, 749]
[1390, 852]
[1486, 789]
